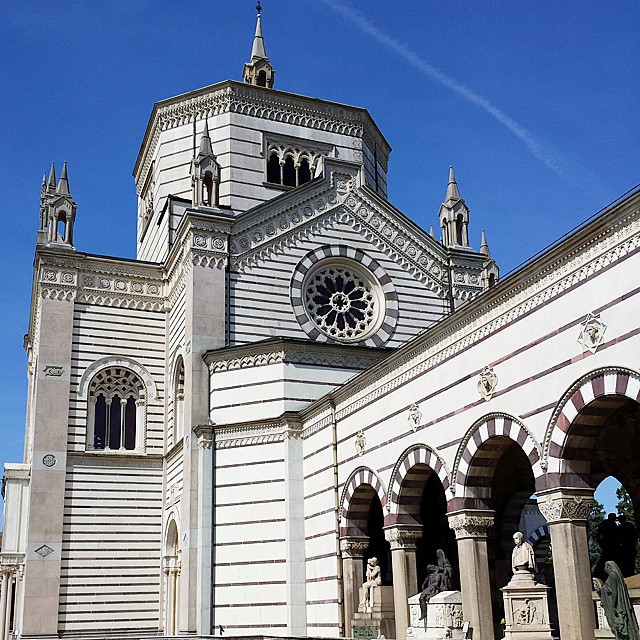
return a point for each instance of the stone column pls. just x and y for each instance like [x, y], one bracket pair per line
[352, 552]
[403, 547]
[7, 613]
[4, 601]
[567, 512]
[470, 528]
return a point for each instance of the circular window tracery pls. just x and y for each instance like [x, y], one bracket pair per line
[344, 302]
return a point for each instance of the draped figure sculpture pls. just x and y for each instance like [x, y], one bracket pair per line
[616, 603]
[438, 579]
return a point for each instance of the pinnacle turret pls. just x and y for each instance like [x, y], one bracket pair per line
[63, 183]
[51, 185]
[454, 216]
[453, 193]
[205, 142]
[259, 70]
[484, 246]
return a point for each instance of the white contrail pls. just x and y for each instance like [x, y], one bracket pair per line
[552, 157]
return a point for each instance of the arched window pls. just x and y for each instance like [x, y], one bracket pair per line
[273, 169]
[492, 279]
[459, 230]
[207, 189]
[116, 411]
[289, 172]
[304, 171]
[61, 228]
[261, 80]
[178, 403]
[172, 579]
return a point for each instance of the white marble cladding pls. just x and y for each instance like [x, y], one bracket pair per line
[266, 379]
[241, 118]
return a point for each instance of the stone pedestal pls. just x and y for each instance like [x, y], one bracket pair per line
[444, 617]
[526, 608]
[380, 616]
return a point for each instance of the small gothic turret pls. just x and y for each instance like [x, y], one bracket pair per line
[57, 211]
[205, 174]
[490, 271]
[454, 216]
[484, 245]
[259, 71]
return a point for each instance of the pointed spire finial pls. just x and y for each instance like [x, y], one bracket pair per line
[258, 51]
[44, 181]
[259, 8]
[484, 246]
[431, 231]
[63, 184]
[453, 193]
[51, 185]
[205, 141]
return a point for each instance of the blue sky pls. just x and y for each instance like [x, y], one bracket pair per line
[536, 105]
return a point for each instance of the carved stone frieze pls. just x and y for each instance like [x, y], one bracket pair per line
[470, 524]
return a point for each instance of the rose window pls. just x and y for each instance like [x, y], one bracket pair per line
[343, 302]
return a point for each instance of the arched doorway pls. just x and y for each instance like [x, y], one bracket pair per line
[499, 479]
[362, 537]
[594, 433]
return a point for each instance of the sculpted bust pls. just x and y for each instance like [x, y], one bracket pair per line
[522, 558]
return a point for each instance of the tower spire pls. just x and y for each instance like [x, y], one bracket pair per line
[51, 185]
[453, 193]
[259, 70]
[484, 246]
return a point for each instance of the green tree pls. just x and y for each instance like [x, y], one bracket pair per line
[596, 516]
[625, 507]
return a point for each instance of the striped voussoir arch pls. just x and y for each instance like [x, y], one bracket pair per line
[408, 469]
[541, 532]
[355, 504]
[479, 474]
[586, 405]
[337, 252]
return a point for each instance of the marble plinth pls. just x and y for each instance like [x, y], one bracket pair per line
[526, 609]
[444, 617]
[379, 615]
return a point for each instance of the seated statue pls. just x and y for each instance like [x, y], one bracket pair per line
[373, 580]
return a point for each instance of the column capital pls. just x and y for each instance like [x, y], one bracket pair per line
[402, 537]
[471, 523]
[565, 504]
[204, 435]
[353, 547]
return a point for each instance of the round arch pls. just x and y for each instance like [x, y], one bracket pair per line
[418, 454]
[608, 381]
[117, 361]
[489, 426]
[349, 507]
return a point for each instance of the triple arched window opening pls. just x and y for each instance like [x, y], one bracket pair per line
[284, 169]
[116, 411]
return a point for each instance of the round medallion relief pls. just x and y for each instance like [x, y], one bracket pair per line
[49, 460]
[343, 300]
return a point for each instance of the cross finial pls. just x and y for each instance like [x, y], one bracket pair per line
[259, 7]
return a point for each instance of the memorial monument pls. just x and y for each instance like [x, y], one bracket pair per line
[616, 603]
[526, 602]
[375, 615]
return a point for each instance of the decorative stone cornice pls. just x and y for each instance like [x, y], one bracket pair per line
[353, 547]
[258, 432]
[295, 352]
[402, 537]
[471, 523]
[565, 504]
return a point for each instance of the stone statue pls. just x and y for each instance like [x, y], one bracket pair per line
[616, 603]
[438, 579]
[373, 580]
[627, 546]
[522, 558]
